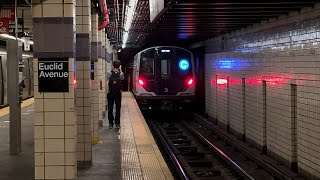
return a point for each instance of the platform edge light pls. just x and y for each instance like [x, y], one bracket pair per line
[129, 17]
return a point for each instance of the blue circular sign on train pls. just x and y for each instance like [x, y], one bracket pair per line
[184, 64]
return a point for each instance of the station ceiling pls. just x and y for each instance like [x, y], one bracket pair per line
[183, 22]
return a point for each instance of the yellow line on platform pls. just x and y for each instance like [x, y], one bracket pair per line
[5, 111]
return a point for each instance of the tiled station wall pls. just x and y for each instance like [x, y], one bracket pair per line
[264, 82]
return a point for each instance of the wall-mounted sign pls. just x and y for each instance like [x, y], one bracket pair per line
[12, 27]
[4, 27]
[7, 13]
[6, 16]
[53, 74]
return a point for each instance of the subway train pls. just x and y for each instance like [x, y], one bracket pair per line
[164, 78]
[27, 65]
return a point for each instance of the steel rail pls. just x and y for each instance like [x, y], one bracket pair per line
[167, 147]
[224, 155]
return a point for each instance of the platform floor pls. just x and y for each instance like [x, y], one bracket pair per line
[18, 167]
[129, 153]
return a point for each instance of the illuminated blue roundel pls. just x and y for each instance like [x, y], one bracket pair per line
[184, 64]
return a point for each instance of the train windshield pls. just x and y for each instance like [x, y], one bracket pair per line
[165, 62]
[170, 61]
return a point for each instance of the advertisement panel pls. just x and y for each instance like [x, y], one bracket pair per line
[4, 26]
[7, 19]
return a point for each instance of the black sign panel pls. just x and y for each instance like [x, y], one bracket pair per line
[53, 74]
[92, 71]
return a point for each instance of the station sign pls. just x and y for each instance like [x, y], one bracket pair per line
[53, 74]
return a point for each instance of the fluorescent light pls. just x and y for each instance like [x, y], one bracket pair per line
[129, 17]
[125, 38]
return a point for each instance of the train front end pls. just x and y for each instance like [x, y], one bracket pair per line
[164, 78]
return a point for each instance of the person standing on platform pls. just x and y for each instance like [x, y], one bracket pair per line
[114, 77]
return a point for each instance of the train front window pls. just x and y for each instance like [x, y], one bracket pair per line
[147, 67]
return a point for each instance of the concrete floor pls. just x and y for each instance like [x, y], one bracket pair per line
[17, 167]
[106, 157]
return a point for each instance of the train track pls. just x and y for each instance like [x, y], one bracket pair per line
[260, 166]
[194, 156]
[194, 150]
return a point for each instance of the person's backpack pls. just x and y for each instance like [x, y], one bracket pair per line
[115, 82]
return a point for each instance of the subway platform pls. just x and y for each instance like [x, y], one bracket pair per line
[126, 153]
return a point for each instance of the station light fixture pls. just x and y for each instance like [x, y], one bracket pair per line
[75, 82]
[125, 38]
[222, 81]
[130, 10]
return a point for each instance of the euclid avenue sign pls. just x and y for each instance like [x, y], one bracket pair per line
[53, 74]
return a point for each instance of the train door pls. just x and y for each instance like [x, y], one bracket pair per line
[1, 83]
[146, 71]
[165, 75]
[169, 81]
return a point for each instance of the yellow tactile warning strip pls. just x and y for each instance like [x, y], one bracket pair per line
[5, 111]
[141, 157]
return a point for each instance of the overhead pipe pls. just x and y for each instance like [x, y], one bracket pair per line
[105, 15]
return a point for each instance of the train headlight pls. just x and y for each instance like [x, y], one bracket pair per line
[190, 82]
[184, 64]
[141, 82]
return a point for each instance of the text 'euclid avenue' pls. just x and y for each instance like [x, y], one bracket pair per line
[54, 70]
